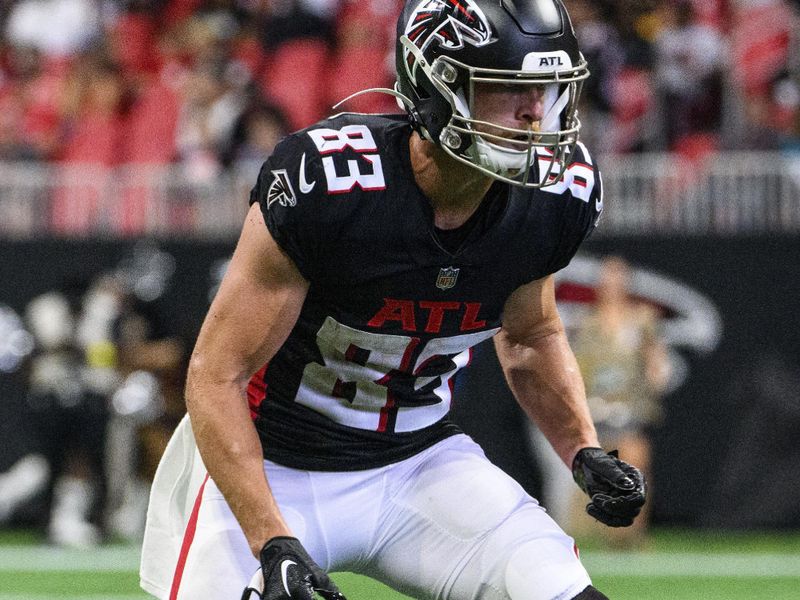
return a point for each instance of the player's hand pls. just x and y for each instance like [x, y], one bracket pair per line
[616, 488]
[288, 573]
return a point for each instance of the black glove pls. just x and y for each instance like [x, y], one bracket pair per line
[616, 488]
[289, 573]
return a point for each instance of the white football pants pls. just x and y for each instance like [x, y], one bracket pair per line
[443, 525]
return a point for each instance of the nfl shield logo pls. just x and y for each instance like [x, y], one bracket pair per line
[447, 278]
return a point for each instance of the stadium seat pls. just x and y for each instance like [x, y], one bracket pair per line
[153, 118]
[294, 78]
[178, 10]
[358, 68]
[132, 41]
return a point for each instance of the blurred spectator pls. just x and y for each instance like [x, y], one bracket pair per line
[58, 28]
[601, 45]
[30, 110]
[619, 104]
[113, 83]
[289, 20]
[255, 135]
[131, 39]
[212, 103]
[95, 104]
[297, 37]
[689, 63]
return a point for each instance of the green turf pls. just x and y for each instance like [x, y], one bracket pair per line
[678, 565]
[694, 540]
[108, 584]
[699, 588]
[64, 585]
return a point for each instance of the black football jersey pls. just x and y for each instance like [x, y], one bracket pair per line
[393, 308]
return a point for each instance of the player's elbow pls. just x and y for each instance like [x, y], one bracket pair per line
[516, 346]
[208, 379]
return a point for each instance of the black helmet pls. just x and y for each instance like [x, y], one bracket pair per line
[446, 47]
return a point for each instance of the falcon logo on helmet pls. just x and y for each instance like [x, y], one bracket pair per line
[449, 23]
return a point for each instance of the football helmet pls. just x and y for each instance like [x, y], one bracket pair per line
[447, 49]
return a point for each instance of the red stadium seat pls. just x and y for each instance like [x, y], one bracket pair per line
[294, 79]
[359, 68]
[79, 200]
[151, 126]
[95, 140]
[178, 10]
[133, 43]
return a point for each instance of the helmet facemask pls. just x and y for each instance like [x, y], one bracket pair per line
[533, 157]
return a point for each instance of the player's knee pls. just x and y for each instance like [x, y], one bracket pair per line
[543, 569]
[590, 593]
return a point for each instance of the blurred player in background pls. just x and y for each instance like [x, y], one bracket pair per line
[377, 252]
[98, 400]
[625, 365]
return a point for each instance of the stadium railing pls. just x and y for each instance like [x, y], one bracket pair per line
[660, 194]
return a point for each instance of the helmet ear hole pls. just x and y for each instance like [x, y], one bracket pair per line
[452, 140]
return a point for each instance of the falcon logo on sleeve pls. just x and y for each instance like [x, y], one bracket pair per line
[449, 23]
[280, 190]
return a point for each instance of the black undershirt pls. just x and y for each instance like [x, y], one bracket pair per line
[452, 239]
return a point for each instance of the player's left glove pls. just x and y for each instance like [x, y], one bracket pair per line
[288, 573]
[617, 489]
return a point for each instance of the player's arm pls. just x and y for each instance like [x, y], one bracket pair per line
[541, 369]
[543, 374]
[251, 316]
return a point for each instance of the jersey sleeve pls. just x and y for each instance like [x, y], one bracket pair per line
[289, 209]
[583, 206]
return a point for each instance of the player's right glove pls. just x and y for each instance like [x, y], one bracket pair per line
[617, 489]
[288, 573]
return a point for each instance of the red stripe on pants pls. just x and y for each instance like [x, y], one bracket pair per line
[188, 538]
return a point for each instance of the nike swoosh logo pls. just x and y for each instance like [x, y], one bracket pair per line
[305, 188]
[284, 569]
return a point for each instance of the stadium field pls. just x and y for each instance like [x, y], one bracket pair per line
[678, 565]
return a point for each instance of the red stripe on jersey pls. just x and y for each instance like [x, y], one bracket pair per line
[188, 538]
[386, 410]
[388, 415]
[257, 391]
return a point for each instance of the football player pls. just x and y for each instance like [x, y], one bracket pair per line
[377, 252]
